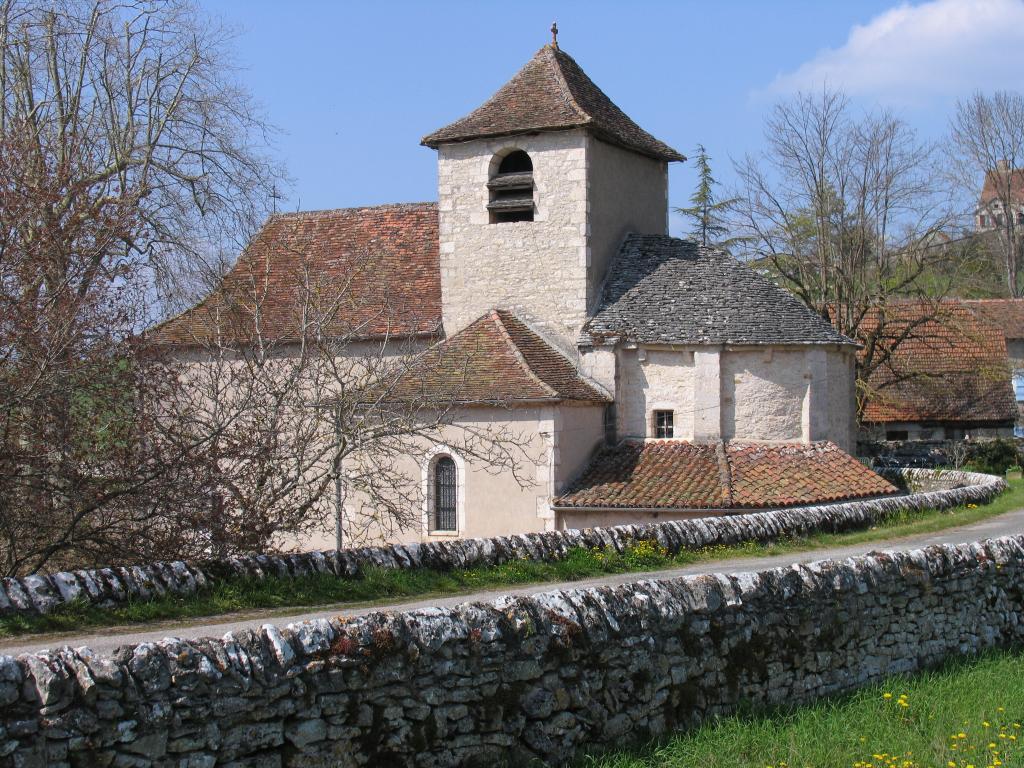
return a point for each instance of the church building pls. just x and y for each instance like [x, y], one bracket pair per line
[657, 379]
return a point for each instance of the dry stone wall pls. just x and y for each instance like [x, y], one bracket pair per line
[43, 593]
[516, 679]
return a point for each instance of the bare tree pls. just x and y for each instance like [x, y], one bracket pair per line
[278, 405]
[850, 214]
[127, 157]
[987, 134]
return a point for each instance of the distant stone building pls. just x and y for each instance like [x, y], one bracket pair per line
[1002, 195]
[639, 366]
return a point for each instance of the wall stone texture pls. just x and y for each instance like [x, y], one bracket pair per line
[940, 489]
[516, 679]
[537, 269]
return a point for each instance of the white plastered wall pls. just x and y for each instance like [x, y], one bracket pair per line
[554, 443]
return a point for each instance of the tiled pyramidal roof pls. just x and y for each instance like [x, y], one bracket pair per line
[496, 359]
[661, 289]
[673, 474]
[552, 93]
[375, 272]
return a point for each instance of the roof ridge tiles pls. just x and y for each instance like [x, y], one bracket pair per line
[560, 78]
[724, 471]
[518, 354]
[350, 210]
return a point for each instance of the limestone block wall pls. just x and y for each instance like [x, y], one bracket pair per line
[536, 268]
[651, 379]
[43, 593]
[802, 393]
[516, 679]
[763, 393]
[841, 407]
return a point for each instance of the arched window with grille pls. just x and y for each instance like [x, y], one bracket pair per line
[445, 512]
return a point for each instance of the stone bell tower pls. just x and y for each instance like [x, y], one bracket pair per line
[537, 189]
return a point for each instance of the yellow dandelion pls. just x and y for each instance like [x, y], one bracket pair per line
[886, 695]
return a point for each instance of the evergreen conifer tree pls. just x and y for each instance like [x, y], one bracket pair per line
[707, 213]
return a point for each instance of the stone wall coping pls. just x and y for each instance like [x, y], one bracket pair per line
[107, 587]
[663, 653]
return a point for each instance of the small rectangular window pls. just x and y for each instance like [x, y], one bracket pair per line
[896, 434]
[663, 424]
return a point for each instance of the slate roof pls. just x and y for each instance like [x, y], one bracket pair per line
[552, 93]
[374, 271]
[661, 289]
[951, 367]
[674, 474]
[497, 359]
[1005, 314]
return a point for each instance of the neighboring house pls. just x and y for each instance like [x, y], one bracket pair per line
[569, 314]
[1008, 316]
[992, 208]
[948, 379]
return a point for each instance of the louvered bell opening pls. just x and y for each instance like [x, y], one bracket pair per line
[511, 189]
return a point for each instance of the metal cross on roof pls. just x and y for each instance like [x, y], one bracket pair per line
[554, 34]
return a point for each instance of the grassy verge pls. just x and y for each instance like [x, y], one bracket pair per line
[966, 715]
[378, 585]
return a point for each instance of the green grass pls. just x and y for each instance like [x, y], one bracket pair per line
[381, 585]
[968, 703]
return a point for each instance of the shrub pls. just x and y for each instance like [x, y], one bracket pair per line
[993, 456]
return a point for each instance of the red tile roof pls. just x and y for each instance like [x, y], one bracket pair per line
[496, 359]
[552, 92]
[790, 475]
[370, 272]
[951, 367]
[1005, 314]
[673, 474]
[995, 182]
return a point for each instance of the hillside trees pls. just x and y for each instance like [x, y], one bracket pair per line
[849, 212]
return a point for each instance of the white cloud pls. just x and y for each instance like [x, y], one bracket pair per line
[914, 52]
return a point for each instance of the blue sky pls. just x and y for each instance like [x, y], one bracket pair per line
[354, 85]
